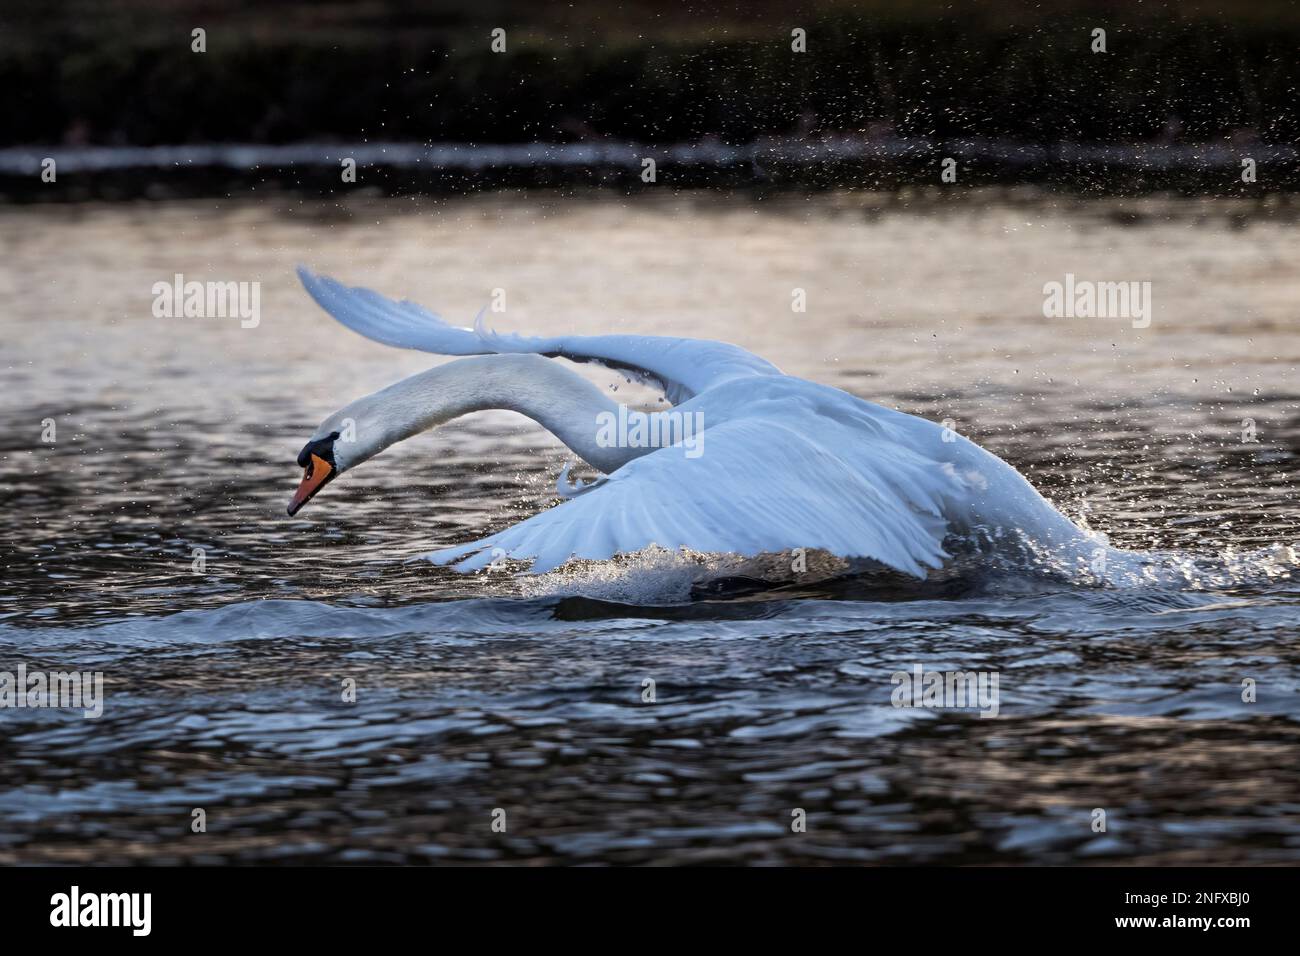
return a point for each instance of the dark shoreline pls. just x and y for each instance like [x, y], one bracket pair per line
[424, 73]
[771, 164]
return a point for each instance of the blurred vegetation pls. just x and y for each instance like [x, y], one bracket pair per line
[122, 71]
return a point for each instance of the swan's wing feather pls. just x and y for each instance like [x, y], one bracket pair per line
[758, 486]
[685, 367]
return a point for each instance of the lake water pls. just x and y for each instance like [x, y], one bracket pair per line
[224, 667]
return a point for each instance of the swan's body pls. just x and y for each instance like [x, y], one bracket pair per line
[781, 463]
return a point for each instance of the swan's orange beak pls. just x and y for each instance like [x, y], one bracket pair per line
[317, 476]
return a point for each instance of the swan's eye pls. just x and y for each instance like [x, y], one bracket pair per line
[323, 447]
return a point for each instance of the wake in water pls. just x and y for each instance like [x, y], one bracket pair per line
[658, 576]
[1107, 566]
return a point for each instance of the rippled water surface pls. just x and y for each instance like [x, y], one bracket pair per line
[489, 691]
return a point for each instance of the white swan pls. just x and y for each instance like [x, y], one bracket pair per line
[781, 463]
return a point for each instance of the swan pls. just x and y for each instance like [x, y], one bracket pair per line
[751, 461]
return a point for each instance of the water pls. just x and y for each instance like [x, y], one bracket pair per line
[224, 686]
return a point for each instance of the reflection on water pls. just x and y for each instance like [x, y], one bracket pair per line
[224, 677]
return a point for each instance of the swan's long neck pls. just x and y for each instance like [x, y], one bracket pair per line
[559, 400]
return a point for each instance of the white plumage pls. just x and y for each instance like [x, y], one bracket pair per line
[782, 463]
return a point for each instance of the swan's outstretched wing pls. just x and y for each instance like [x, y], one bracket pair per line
[759, 486]
[684, 367]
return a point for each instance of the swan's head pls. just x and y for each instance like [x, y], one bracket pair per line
[319, 460]
[337, 445]
[368, 425]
